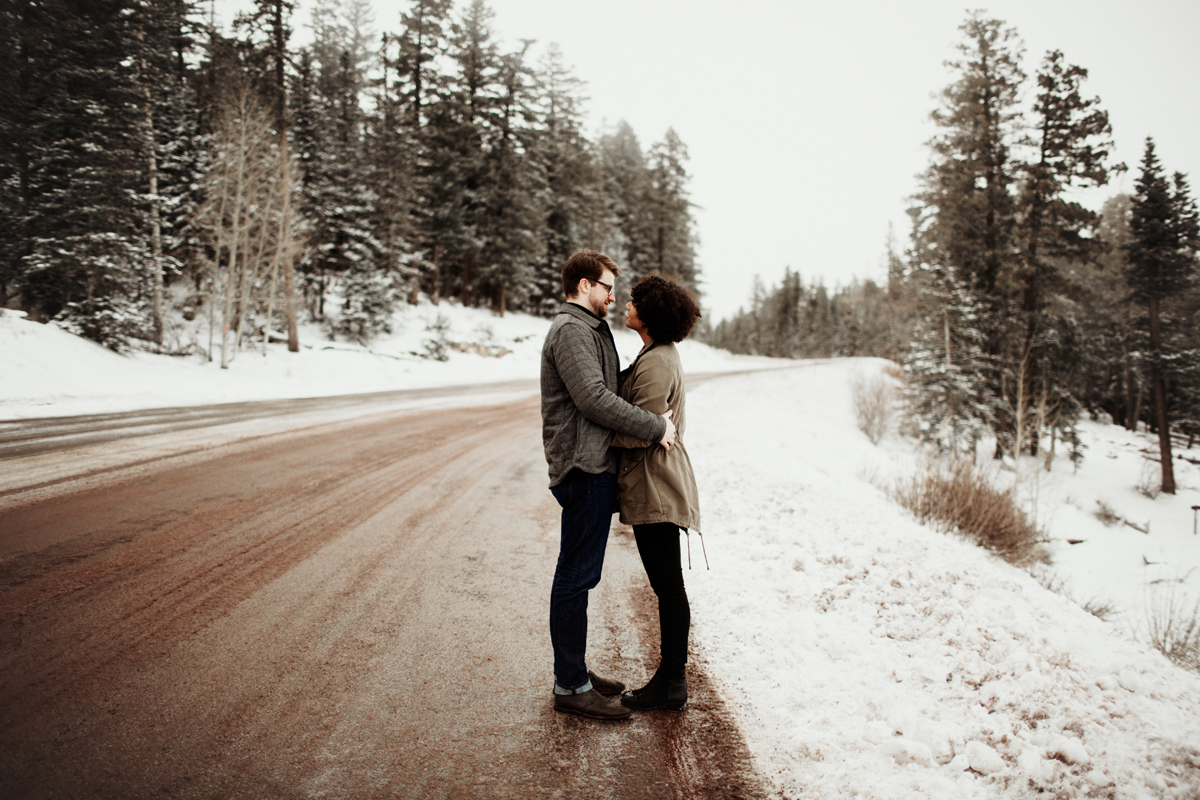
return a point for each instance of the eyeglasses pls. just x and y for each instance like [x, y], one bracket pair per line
[607, 286]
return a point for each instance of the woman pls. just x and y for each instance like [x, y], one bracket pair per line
[656, 490]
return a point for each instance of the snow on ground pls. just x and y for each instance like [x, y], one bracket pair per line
[863, 655]
[45, 371]
[868, 656]
[1143, 553]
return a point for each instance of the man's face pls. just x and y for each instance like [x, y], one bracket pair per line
[600, 295]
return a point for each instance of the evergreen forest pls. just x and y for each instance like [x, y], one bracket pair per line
[154, 167]
[151, 165]
[1013, 308]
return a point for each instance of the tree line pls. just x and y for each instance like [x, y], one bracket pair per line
[144, 152]
[1014, 308]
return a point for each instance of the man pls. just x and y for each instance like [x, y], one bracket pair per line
[580, 412]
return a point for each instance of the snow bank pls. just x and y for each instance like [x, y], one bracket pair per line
[868, 656]
[49, 372]
[1144, 553]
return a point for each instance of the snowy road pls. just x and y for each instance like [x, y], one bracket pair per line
[24, 437]
[351, 609]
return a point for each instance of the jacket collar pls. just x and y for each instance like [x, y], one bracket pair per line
[581, 313]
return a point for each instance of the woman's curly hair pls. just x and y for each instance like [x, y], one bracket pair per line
[667, 309]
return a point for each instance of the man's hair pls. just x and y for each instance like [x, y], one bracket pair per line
[585, 264]
[667, 309]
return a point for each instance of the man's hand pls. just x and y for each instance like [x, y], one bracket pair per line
[668, 437]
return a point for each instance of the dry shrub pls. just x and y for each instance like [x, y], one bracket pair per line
[959, 497]
[874, 405]
[1174, 628]
[1105, 514]
[894, 371]
[1101, 609]
[1150, 483]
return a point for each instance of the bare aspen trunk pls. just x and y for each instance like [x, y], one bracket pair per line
[282, 249]
[289, 291]
[1042, 422]
[251, 266]
[155, 229]
[226, 314]
[232, 271]
[246, 282]
[271, 304]
[1020, 417]
[239, 213]
[212, 310]
[289, 269]
[217, 226]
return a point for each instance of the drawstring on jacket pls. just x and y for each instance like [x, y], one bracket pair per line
[688, 535]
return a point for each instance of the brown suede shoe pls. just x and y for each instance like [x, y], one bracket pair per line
[591, 704]
[605, 686]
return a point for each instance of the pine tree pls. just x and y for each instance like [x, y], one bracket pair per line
[512, 210]
[969, 187]
[965, 230]
[1073, 144]
[87, 263]
[625, 186]
[422, 41]
[390, 150]
[1184, 389]
[563, 158]
[22, 48]
[1114, 384]
[943, 390]
[343, 31]
[173, 146]
[455, 143]
[337, 198]
[670, 210]
[1161, 264]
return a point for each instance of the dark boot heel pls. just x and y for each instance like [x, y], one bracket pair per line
[668, 694]
[676, 695]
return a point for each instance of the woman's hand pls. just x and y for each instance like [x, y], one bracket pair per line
[668, 437]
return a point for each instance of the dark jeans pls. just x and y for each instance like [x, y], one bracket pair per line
[587, 507]
[658, 545]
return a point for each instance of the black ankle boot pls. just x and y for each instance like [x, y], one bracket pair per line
[661, 692]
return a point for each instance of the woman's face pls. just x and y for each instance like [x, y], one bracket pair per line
[632, 320]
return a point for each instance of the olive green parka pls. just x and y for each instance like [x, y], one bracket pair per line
[653, 484]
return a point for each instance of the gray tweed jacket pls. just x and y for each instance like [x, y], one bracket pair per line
[580, 406]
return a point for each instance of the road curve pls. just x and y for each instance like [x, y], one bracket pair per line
[355, 609]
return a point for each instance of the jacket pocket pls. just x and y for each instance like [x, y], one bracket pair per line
[632, 479]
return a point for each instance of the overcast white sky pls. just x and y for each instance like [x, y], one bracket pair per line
[806, 122]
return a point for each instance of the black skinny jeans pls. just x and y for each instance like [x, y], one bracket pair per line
[658, 545]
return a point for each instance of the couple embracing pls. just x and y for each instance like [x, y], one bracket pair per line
[613, 440]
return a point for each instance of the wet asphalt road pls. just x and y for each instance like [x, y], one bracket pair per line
[354, 609]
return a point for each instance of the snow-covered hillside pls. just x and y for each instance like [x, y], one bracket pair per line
[864, 655]
[45, 371]
[869, 656]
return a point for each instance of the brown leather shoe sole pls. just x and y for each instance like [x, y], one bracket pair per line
[585, 711]
[577, 712]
